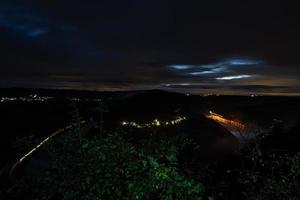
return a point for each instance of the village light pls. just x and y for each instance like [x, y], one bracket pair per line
[154, 123]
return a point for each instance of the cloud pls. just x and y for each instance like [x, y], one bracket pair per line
[221, 67]
[234, 77]
[21, 20]
[37, 32]
[189, 86]
[207, 70]
[144, 44]
[243, 62]
[180, 67]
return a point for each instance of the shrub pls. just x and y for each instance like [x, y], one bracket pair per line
[109, 168]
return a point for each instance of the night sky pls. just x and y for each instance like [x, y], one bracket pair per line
[224, 47]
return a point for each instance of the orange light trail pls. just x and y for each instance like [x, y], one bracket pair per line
[219, 118]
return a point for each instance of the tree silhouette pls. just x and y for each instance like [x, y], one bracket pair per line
[102, 108]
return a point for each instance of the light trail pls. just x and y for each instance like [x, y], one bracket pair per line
[39, 146]
[226, 122]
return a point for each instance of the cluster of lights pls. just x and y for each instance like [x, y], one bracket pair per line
[5, 99]
[219, 118]
[35, 98]
[85, 99]
[210, 94]
[31, 98]
[154, 123]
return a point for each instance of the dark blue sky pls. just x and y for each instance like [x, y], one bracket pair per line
[227, 47]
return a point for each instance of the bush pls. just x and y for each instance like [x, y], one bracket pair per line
[109, 168]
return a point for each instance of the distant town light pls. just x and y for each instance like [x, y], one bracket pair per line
[154, 123]
[124, 123]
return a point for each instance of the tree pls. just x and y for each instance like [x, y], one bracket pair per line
[102, 108]
[110, 168]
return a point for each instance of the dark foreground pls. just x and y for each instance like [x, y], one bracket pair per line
[196, 158]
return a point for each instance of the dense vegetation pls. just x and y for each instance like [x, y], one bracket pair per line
[110, 166]
[156, 164]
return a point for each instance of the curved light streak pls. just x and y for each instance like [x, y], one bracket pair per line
[39, 146]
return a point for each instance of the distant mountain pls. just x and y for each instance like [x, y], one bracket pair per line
[21, 92]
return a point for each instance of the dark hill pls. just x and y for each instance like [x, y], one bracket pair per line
[148, 105]
[210, 137]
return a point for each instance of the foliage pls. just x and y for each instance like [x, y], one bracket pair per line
[257, 173]
[110, 168]
[159, 166]
[273, 175]
[75, 121]
[284, 183]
